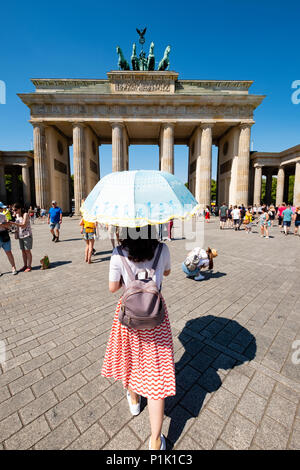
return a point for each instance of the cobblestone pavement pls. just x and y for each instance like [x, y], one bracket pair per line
[237, 384]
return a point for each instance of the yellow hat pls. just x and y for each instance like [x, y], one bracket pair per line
[214, 252]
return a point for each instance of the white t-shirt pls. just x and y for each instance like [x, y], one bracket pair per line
[117, 269]
[3, 220]
[204, 261]
[236, 214]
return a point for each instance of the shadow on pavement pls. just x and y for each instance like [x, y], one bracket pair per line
[70, 240]
[99, 260]
[103, 252]
[55, 264]
[196, 371]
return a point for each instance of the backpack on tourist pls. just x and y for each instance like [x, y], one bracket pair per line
[192, 261]
[142, 306]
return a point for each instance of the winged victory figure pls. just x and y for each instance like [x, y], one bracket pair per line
[141, 34]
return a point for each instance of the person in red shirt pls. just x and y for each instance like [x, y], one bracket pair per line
[280, 210]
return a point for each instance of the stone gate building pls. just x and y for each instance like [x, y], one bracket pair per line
[137, 107]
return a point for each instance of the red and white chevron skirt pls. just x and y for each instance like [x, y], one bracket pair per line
[142, 359]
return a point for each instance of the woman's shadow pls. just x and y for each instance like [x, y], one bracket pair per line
[210, 343]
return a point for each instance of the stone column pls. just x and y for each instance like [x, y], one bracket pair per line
[286, 185]
[296, 200]
[117, 146]
[2, 184]
[243, 162]
[203, 144]
[26, 186]
[257, 186]
[280, 186]
[125, 150]
[79, 165]
[161, 143]
[40, 166]
[269, 185]
[167, 155]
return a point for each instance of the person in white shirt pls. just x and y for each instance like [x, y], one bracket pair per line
[142, 359]
[198, 259]
[236, 214]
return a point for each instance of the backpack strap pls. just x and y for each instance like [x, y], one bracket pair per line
[160, 247]
[125, 263]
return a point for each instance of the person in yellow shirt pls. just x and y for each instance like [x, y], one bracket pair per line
[88, 229]
[7, 214]
[248, 220]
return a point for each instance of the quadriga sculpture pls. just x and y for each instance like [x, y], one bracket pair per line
[122, 62]
[165, 61]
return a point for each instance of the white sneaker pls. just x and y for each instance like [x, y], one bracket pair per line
[134, 409]
[162, 444]
[200, 277]
[14, 271]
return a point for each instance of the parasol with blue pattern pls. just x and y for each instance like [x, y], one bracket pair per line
[138, 198]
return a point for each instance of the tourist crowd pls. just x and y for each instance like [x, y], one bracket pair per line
[264, 216]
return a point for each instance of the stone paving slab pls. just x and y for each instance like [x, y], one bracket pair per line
[233, 332]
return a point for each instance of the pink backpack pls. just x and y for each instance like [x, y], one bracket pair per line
[142, 305]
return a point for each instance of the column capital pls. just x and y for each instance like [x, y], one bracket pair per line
[206, 125]
[38, 124]
[168, 124]
[116, 124]
[245, 124]
[78, 124]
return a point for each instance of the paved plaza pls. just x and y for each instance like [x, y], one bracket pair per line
[238, 382]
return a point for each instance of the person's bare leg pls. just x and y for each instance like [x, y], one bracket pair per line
[11, 259]
[156, 415]
[86, 251]
[57, 234]
[134, 397]
[24, 256]
[91, 246]
[29, 258]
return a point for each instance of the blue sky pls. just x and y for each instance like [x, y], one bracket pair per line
[232, 39]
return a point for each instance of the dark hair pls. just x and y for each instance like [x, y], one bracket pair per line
[141, 248]
[210, 257]
[18, 206]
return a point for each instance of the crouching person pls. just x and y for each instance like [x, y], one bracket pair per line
[197, 260]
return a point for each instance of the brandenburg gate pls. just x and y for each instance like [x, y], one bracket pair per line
[140, 107]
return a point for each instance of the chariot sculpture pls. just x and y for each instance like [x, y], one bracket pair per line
[142, 62]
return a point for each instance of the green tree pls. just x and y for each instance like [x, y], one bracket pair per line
[291, 189]
[8, 183]
[213, 190]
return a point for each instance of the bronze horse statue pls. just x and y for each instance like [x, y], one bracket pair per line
[151, 58]
[134, 59]
[165, 61]
[122, 62]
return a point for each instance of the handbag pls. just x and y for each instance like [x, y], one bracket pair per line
[4, 236]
